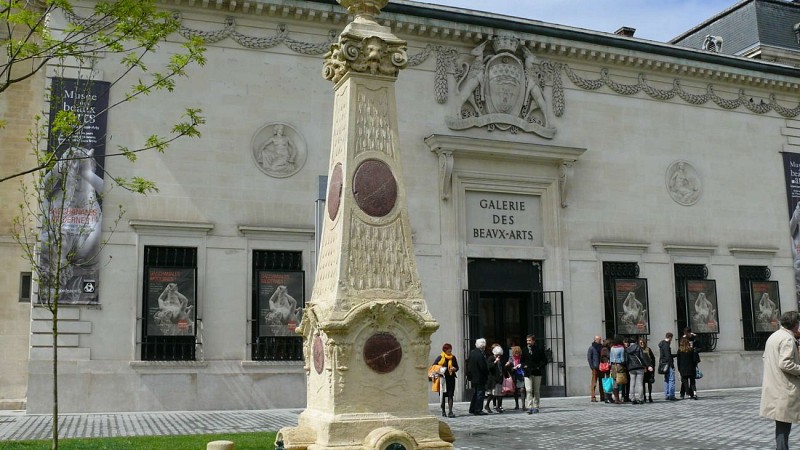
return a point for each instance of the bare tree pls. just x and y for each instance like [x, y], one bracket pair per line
[60, 227]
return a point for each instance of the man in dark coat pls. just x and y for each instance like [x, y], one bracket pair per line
[478, 371]
[534, 361]
[667, 357]
[593, 358]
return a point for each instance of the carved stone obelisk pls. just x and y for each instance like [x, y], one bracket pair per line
[367, 328]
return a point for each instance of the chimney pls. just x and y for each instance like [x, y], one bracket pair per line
[628, 31]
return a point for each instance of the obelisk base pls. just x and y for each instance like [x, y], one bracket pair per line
[365, 432]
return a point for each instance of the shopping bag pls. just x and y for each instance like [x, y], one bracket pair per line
[608, 385]
[508, 385]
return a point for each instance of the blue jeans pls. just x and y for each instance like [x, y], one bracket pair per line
[669, 383]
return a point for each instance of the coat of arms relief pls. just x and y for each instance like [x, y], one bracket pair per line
[502, 87]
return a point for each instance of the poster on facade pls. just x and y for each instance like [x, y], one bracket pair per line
[281, 297]
[70, 237]
[171, 302]
[766, 306]
[631, 306]
[701, 299]
[791, 169]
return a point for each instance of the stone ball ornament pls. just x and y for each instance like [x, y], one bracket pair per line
[369, 7]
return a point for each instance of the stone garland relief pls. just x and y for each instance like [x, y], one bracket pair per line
[549, 72]
[492, 70]
[683, 183]
[279, 150]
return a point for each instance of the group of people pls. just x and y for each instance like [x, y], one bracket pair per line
[492, 376]
[623, 369]
[627, 364]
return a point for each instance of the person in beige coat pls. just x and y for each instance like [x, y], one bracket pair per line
[780, 390]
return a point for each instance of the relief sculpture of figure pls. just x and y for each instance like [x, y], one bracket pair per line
[632, 309]
[278, 153]
[534, 97]
[472, 79]
[682, 185]
[173, 308]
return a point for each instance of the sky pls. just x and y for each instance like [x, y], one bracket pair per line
[657, 20]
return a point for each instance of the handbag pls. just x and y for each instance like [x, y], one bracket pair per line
[608, 385]
[508, 385]
[622, 378]
[698, 373]
[663, 368]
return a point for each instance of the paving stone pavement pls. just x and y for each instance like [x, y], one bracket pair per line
[720, 419]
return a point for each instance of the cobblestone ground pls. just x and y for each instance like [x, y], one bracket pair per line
[720, 419]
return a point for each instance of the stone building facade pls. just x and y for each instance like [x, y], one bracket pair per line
[560, 182]
[18, 105]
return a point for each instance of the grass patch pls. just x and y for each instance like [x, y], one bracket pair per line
[242, 441]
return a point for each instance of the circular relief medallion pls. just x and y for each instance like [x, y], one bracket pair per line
[318, 351]
[335, 191]
[382, 352]
[375, 188]
[683, 183]
[279, 150]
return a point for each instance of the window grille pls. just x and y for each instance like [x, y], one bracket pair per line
[282, 344]
[752, 340]
[611, 271]
[163, 340]
[704, 342]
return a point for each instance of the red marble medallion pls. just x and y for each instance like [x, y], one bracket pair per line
[375, 188]
[382, 352]
[335, 191]
[318, 351]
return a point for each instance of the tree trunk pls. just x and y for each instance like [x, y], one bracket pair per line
[55, 374]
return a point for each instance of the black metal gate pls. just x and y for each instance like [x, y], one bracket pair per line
[506, 317]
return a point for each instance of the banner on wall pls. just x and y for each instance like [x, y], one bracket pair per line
[281, 298]
[171, 301]
[632, 312]
[701, 300]
[72, 194]
[791, 169]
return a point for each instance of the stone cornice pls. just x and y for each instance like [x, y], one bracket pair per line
[449, 25]
[689, 249]
[255, 231]
[753, 252]
[494, 149]
[620, 247]
[169, 226]
[447, 148]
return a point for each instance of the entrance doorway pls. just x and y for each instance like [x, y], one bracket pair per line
[504, 303]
